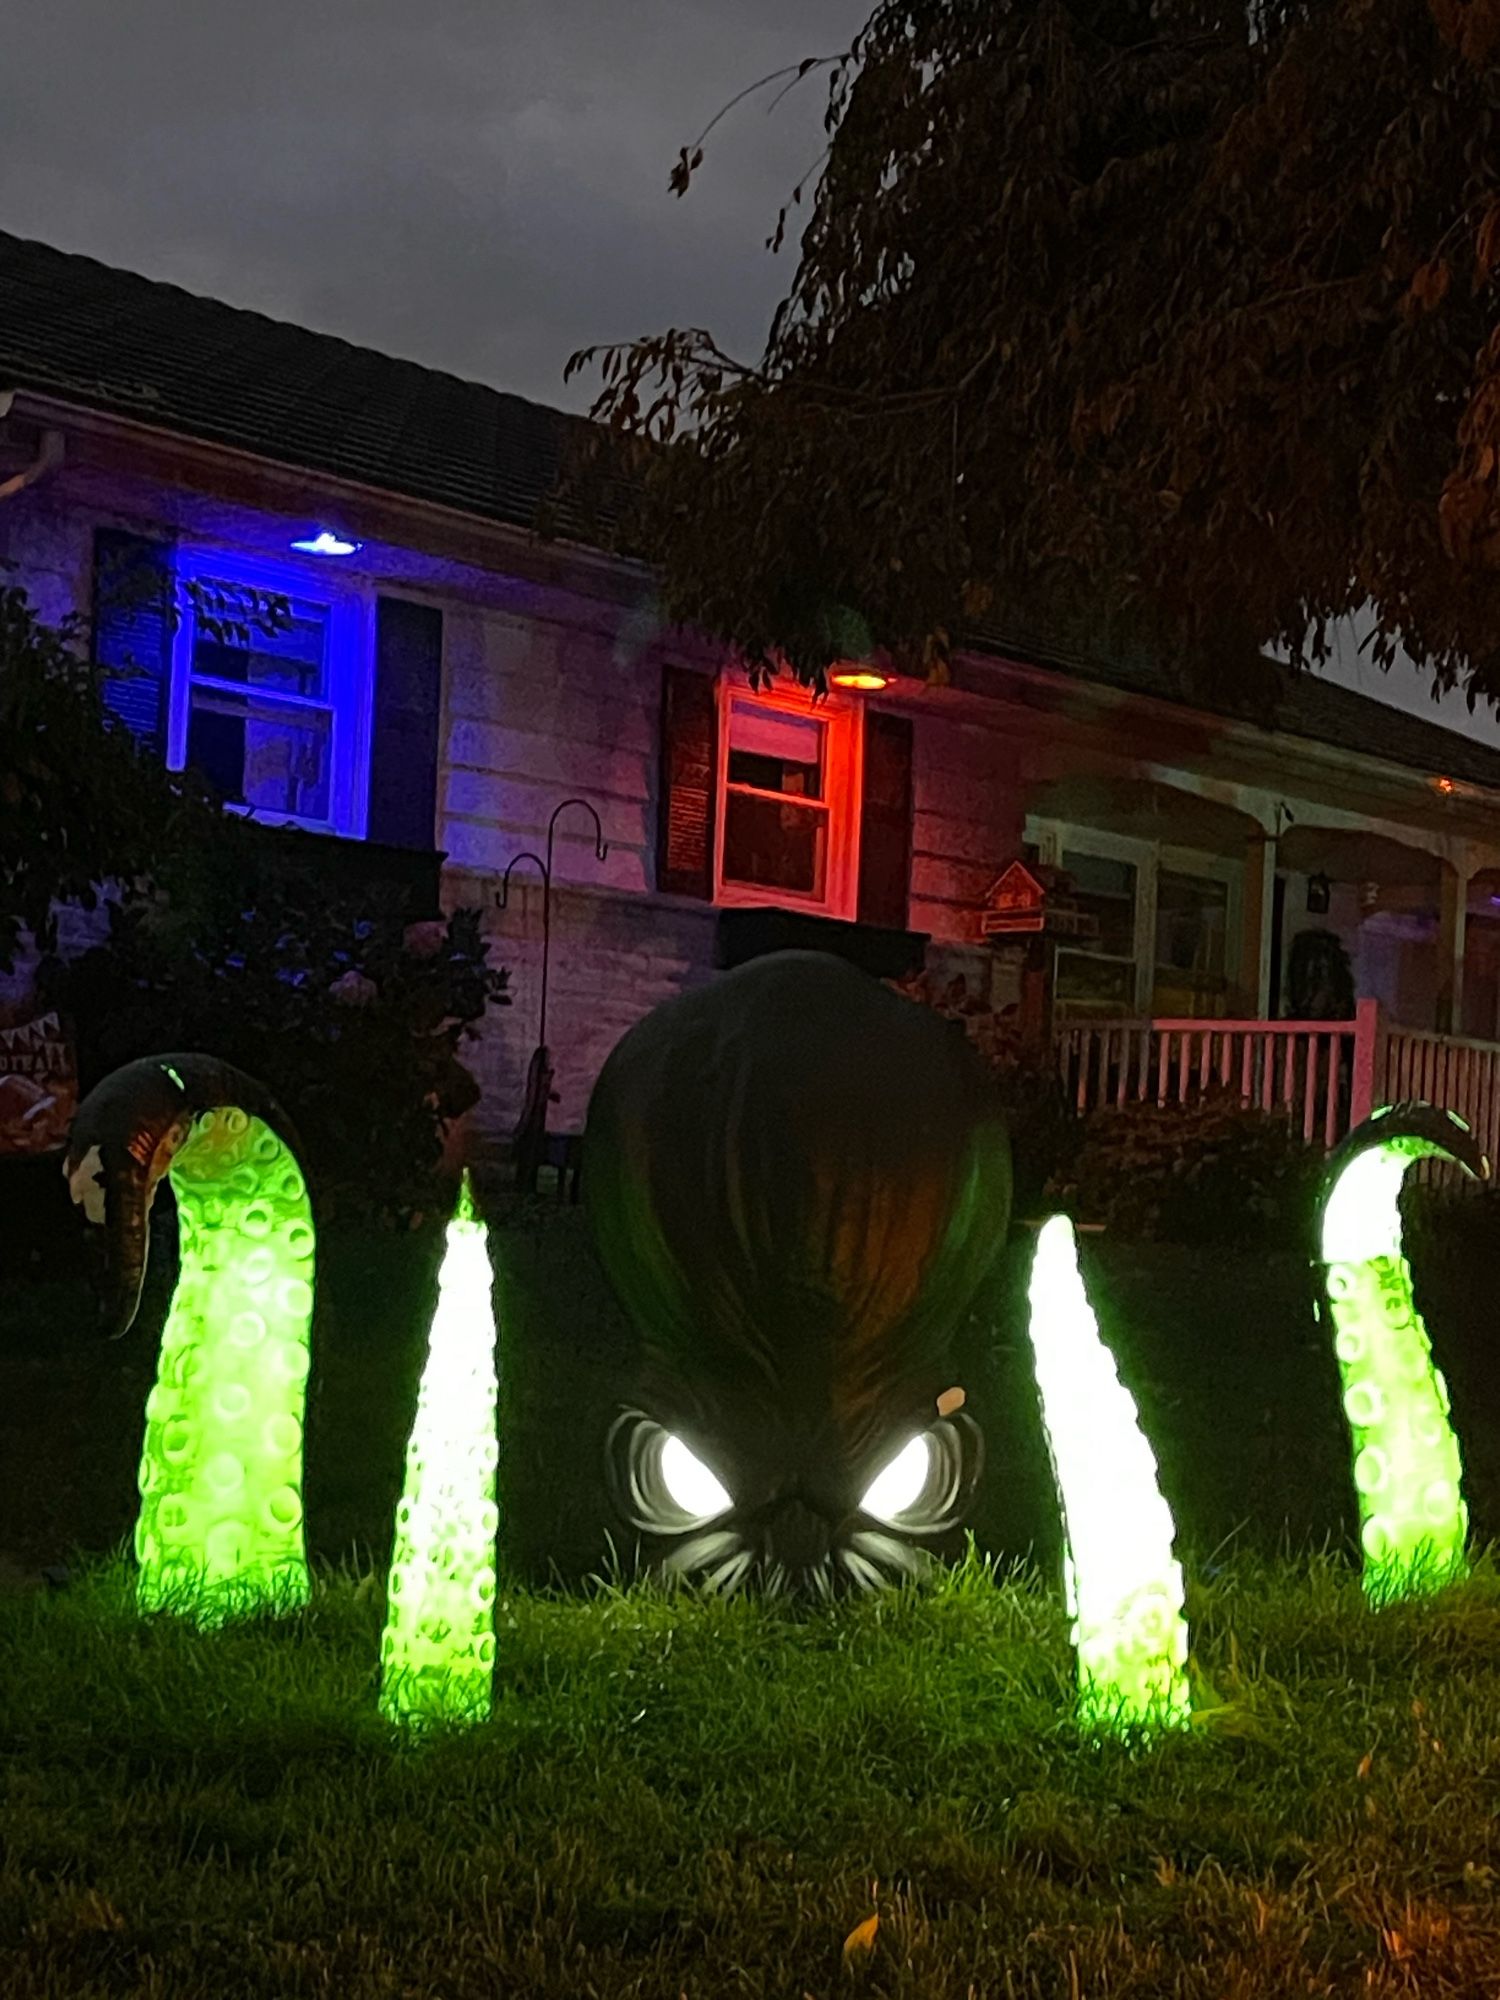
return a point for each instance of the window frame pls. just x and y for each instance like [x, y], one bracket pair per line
[350, 669]
[843, 782]
[1055, 839]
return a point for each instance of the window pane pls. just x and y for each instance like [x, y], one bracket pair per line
[1106, 890]
[1192, 915]
[256, 754]
[290, 660]
[775, 752]
[773, 846]
[1088, 984]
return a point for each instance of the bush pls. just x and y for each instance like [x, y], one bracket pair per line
[1043, 1130]
[1209, 1171]
[219, 943]
[81, 803]
[354, 1022]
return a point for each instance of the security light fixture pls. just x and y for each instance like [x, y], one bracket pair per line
[327, 543]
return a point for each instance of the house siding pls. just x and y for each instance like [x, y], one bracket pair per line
[562, 699]
[539, 710]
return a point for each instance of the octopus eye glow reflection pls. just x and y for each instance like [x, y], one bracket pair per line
[900, 1485]
[689, 1483]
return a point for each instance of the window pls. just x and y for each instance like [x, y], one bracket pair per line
[1164, 919]
[271, 691]
[1192, 930]
[1099, 976]
[789, 784]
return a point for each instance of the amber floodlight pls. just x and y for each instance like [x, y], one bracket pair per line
[864, 680]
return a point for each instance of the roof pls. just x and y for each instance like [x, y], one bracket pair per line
[108, 340]
[1285, 703]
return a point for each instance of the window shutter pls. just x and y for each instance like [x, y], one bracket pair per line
[689, 782]
[405, 725]
[885, 821]
[132, 621]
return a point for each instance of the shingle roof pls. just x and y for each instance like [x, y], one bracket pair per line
[111, 341]
[1285, 703]
[108, 340]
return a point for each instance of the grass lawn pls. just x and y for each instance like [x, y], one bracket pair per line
[683, 1797]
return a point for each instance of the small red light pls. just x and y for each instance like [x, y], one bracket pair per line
[1443, 784]
[863, 679]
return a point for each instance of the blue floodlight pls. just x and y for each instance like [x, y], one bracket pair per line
[326, 543]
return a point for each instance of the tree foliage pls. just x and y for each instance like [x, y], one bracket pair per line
[81, 802]
[225, 936]
[1166, 322]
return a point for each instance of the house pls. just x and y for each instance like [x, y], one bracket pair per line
[447, 680]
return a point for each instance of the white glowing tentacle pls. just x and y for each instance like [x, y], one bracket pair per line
[1408, 1472]
[1124, 1584]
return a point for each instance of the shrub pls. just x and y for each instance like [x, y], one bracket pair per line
[81, 803]
[1043, 1130]
[354, 1022]
[219, 942]
[1209, 1171]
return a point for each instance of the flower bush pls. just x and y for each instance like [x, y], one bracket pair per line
[354, 1021]
[1209, 1171]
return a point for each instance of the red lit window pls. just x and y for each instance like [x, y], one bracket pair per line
[789, 793]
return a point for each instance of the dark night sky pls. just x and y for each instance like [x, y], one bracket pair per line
[475, 184]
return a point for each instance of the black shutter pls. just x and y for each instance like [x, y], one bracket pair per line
[133, 630]
[689, 782]
[404, 728]
[885, 821]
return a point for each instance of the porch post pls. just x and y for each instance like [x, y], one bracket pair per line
[1256, 898]
[1452, 924]
[1367, 1078]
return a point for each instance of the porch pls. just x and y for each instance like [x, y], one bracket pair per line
[1326, 1076]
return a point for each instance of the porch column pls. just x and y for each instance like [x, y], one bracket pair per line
[1253, 995]
[1453, 911]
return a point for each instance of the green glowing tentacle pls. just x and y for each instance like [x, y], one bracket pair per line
[1123, 1583]
[220, 1528]
[1407, 1469]
[438, 1650]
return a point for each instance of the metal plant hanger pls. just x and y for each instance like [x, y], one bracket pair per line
[531, 1130]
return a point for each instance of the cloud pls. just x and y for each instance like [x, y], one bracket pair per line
[475, 184]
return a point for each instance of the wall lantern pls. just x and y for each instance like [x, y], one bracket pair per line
[1319, 889]
[327, 543]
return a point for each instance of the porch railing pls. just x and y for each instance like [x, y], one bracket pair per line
[1325, 1075]
[1455, 1071]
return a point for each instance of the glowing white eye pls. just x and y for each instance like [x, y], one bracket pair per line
[690, 1484]
[900, 1485]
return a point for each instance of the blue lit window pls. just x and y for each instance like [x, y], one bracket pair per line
[271, 690]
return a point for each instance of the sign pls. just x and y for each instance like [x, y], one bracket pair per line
[1016, 903]
[38, 1087]
[1030, 902]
